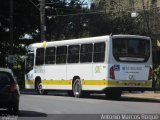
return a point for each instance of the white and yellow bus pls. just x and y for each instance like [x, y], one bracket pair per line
[107, 64]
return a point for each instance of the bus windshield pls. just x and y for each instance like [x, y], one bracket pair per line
[29, 62]
[131, 49]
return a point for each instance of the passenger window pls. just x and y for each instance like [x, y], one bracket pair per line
[86, 53]
[73, 54]
[50, 55]
[99, 52]
[61, 54]
[40, 56]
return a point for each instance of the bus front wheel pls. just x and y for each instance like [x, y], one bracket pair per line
[39, 88]
[77, 88]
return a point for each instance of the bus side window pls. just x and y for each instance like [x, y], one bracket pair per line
[73, 53]
[86, 53]
[99, 52]
[61, 54]
[50, 55]
[40, 56]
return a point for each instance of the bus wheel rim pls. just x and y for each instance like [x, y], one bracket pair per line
[40, 88]
[77, 88]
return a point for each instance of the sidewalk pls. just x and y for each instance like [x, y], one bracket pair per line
[147, 94]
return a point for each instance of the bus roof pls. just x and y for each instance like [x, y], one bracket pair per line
[133, 36]
[70, 42]
[80, 41]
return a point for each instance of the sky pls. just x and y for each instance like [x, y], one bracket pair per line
[89, 2]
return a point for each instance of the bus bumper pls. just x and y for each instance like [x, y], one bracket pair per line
[128, 89]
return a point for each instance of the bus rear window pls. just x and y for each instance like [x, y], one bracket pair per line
[131, 49]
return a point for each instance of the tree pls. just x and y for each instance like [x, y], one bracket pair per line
[26, 20]
[117, 18]
[65, 20]
[23, 23]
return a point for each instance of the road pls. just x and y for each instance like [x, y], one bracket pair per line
[60, 106]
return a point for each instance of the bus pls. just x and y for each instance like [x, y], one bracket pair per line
[107, 64]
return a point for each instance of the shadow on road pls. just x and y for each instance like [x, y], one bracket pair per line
[134, 99]
[23, 113]
[101, 97]
[122, 98]
[32, 115]
[125, 98]
[60, 117]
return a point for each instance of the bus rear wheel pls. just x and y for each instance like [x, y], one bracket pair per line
[77, 88]
[113, 94]
[39, 89]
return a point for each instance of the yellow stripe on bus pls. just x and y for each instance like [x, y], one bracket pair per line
[57, 82]
[115, 83]
[94, 82]
[29, 82]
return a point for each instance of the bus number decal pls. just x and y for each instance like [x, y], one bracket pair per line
[98, 69]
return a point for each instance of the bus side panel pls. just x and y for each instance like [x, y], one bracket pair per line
[84, 71]
[55, 77]
[29, 80]
[98, 81]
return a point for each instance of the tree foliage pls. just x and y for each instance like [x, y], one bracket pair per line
[65, 20]
[26, 20]
[115, 19]
[118, 18]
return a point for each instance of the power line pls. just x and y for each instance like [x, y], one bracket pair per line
[77, 14]
[96, 12]
[68, 9]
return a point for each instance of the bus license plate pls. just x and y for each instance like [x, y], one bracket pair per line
[131, 84]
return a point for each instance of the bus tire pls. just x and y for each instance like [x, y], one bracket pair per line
[39, 88]
[77, 88]
[113, 94]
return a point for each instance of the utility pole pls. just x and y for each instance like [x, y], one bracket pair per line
[42, 20]
[10, 57]
[146, 18]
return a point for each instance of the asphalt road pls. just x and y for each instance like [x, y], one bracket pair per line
[60, 106]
